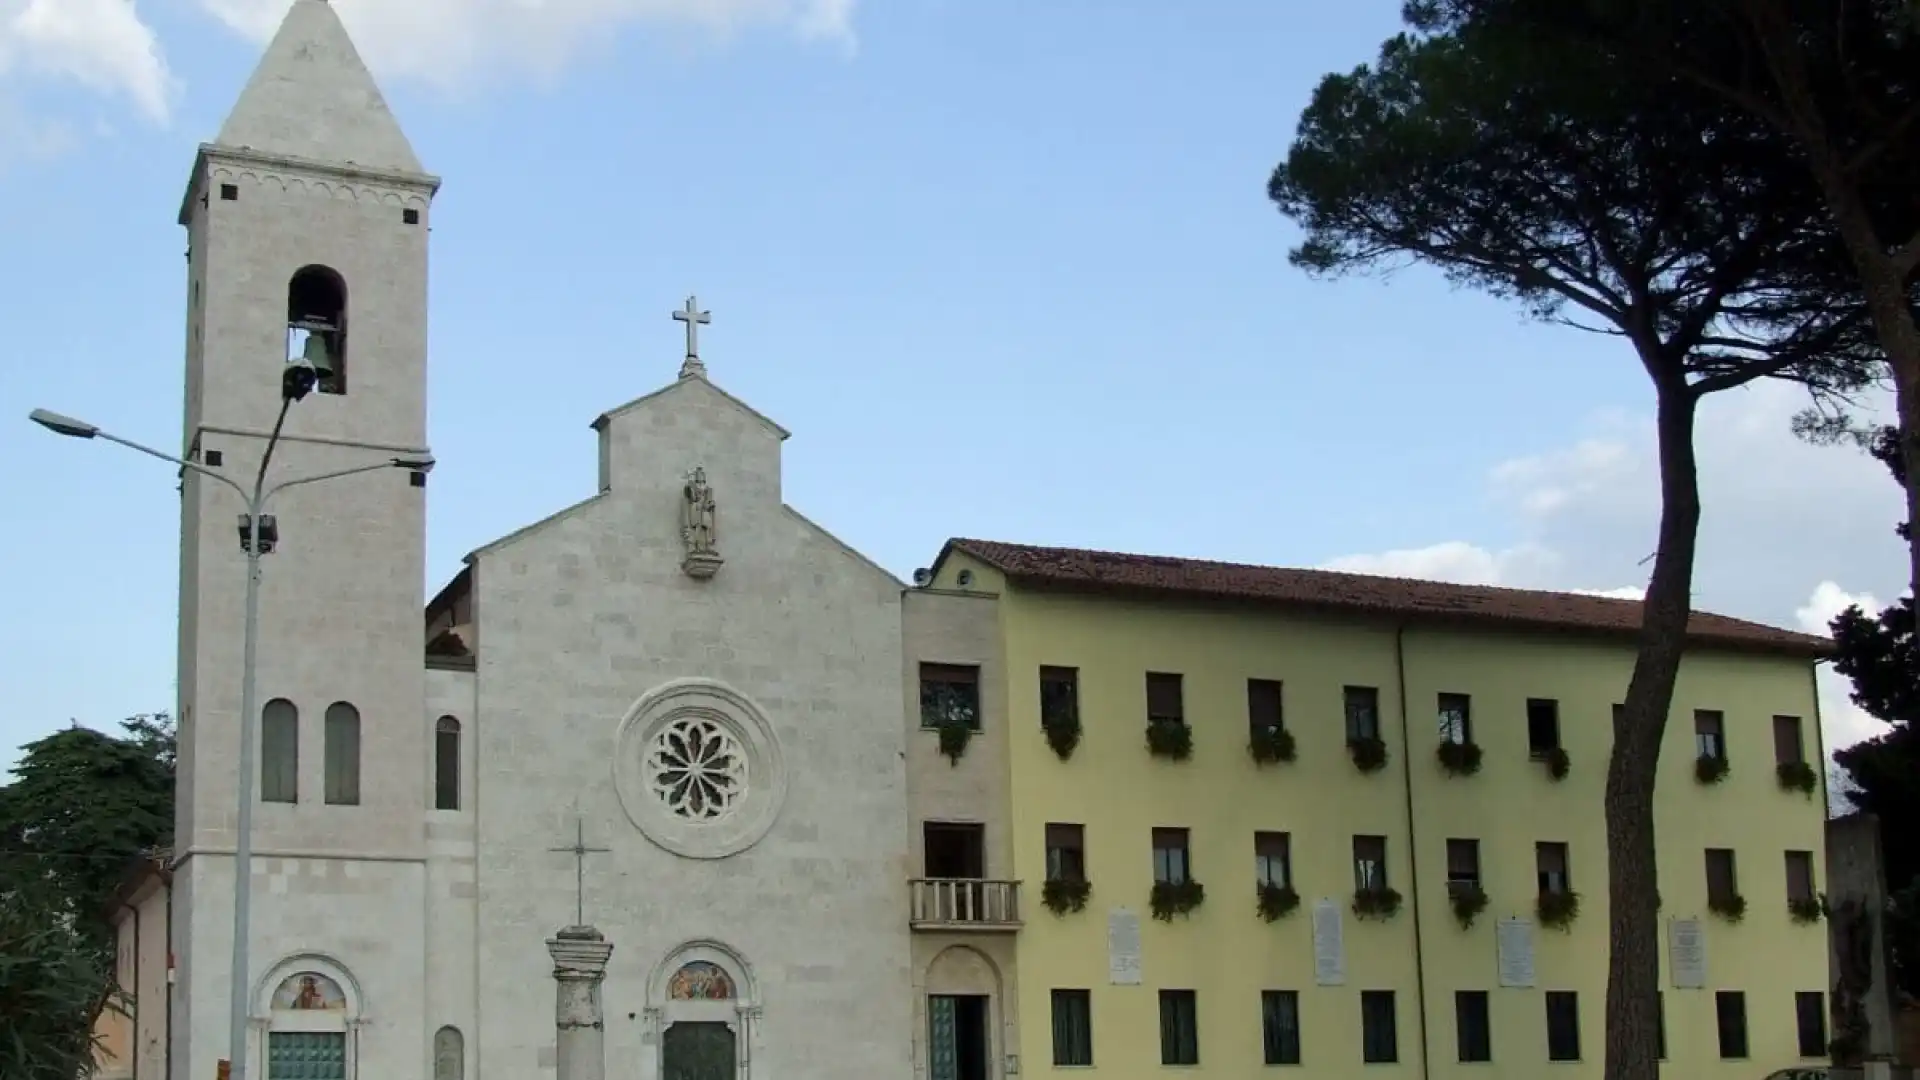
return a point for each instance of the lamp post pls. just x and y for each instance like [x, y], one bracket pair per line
[258, 535]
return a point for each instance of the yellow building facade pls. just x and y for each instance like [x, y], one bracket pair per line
[1523, 683]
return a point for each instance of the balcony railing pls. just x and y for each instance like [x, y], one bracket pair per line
[964, 904]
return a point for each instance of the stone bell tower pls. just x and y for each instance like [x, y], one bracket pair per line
[307, 228]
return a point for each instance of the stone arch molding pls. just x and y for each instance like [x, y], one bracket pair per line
[758, 779]
[302, 963]
[741, 1014]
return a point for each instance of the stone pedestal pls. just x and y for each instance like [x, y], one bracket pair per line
[580, 955]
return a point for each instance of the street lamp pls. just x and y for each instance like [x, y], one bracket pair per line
[257, 536]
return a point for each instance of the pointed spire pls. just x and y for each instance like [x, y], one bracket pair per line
[313, 98]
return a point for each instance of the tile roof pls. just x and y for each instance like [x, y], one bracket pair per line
[1521, 609]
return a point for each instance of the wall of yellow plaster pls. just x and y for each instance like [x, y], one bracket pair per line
[1227, 955]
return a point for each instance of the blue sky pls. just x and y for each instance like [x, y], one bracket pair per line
[1005, 270]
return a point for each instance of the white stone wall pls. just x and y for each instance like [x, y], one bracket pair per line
[451, 992]
[581, 616]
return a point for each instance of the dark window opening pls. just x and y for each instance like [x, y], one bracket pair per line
[317, 325]
[410, 216]
[1563, 1025]
[1066, 852]
[1722, 883]
[1379, 1037]
[949, 693]
[1788, 746]
[1179, 1028]
[1463, 865]
[1265, 710]
[1164, 704]
[1369, 863]
[1280, 1026]
[1272, 859]
[1073, 1027]
[954, 850]
[1059, 697]
[215, 458]
[1730, 1017]
[1709, 734]
[417, 478]
[959, 1032]
[229, 192]
[1473, 1025]
[446, 764]
[1363, 712]
[1800, 888]
[342, 746]
[1456, 719]
[1551, 866]
[1810, 1021]
[1543, 726]
[1171, 859]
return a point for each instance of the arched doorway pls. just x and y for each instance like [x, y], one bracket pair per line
[703, 1010]
[310, 1018]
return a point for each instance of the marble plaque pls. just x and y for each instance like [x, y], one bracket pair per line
[1513, 943]
[1687, 954]
[1123, 947]
[1329, 945]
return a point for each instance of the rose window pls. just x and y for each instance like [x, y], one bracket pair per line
[697, 768]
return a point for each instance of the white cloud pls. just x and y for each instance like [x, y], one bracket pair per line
[102, 46]
[1791, 534]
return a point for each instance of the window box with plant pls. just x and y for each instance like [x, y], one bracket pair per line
[1064, 895]
[1791, 767]
[1066, 888]
[1276, 901]
[1731, 907]
[1468, 901]
[1175, 892]
[1270, 745]
[1723, 886]
[950, 705]
[1364, 744]
[1556, 905]
[1807, 909]
[1373, 897]
[1060, 709]
[1557, 910]
[1268, 740]
[1273, 875]
[1378, 902]
[1543, 737]
[1168, 734]
[1803, 902]
[1170, 898]
[1797, 776]
[1459, 755]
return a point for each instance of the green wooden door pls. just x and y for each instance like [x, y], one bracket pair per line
[299, 1055]
[943, 1042]
[698, 1051]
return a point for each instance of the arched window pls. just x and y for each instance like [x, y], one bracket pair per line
[280, 752]
[343, 754]
[449, 1054]
[446, 764]
[317, 309]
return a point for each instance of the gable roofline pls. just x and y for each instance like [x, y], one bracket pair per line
[600, 422]
[1336, 592]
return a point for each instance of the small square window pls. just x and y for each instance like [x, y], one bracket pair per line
[410, 216]
[229, 193]
[1543, 726]
[949, 693]
[417, 478]
[214, 458]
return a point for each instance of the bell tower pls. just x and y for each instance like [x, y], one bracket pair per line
[307, 227]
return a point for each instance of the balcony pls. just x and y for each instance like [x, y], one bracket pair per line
[965, 904]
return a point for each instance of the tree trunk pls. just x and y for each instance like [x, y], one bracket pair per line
[1633, 961]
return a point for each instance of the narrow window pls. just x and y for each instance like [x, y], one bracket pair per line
[1563, 1025]
[1709, 734]
[446, 764]
[1066, 852]
[949, 693]
[1788, 746]
[1810, 1019]
[1730, 1017]
[1164, 705]
[1473, 1025]
[1363, 712]
[1463, 865]
[1456, 719]
[1280, 1026]
[317, 325]
[1800, 888]
[1551, 867]
[1543, 726]
[1170, 860]
[280, 752]
[1272, 859]
[1059, 697]
[1379, 1037]
[449, 1054]
[1722, 884]
[1073, 1027]
[229, 192]
[1264, 709]
[1369, 863]
[343, 754]
[410, 216]
[1179, 1028]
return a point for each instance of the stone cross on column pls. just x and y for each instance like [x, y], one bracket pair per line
[580, 955]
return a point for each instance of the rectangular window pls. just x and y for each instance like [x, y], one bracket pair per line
[1369, 863]
[1473, 1026]
[1722, 884]
[949, 693]
[1164, 704]
[1709, 734]
[1280, 1026]
[1788, 747]
[1563, 1025]
[1059, 697]
[342, 749]
[1379, 1036]
[1800, 877]
[1066, 852]
[1543, 726]
[1660, 1023]
[1730, 1017]
[1456, 718]
[1463, 865]
[1272, 859]
[1170, 857]
[1179, 1028]
[1810, 1020]
[446, 764]
[1551, 866]
[1363, 712]
[279, 752]
[1073, 1027]
[1265, 711]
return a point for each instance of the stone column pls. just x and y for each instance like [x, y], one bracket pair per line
[580, 956]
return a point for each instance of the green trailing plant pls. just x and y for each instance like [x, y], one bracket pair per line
[1558, 763]
[1063, 895]
[1277, 901]
[1808, 910]
[1271, 743]
[955, 734]
[1557, 909]
[1710, 768]
[1459, 758]
[1376, 902]
[1062, 735]
[1172, 898]
[1172, 739]
[1369, 753]
[1731, 908]
[1468, 902]
[1797, 776]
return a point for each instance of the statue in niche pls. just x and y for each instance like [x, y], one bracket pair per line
[698, 528]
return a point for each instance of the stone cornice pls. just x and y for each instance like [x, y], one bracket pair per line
[340, 180]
